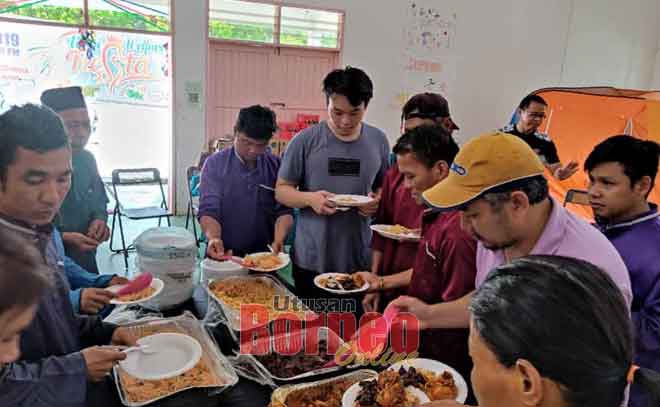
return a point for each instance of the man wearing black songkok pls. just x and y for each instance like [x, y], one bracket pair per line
[83, 216]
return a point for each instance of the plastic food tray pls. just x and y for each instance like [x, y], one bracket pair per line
[324, 334]
[279, 396]
[219, 365]
[233, 316]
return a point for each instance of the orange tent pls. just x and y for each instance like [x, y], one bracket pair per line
[580, 118]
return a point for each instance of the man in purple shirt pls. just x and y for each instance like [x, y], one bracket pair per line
[622, 172]
[497, 182]
[237, 207]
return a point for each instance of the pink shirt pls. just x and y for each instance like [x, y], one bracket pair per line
[567, 235]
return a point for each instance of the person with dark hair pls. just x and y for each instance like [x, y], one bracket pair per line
[531, 112]
[553, 332]
[84, 214]
[23, 280]
[208, 151]
[87, 294]
[427, 108]
[497, 182]
[82, 220]
[59, 351]
[397, 205]
[342, 155]
[356, 87]
[237, 208]
[622, 171]
[444, 265]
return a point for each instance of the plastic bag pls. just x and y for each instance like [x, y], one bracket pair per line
[128, 314]
[246, 367]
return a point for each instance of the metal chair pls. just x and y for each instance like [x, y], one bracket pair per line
[577, 196]
[193, 203]
[136, 177]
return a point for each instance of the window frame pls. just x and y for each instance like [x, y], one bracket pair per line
[86, 25]
[277, 25]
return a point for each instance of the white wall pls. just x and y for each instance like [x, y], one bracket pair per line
[612, 43]
[189, 49]
[655, 82]
[504, 49]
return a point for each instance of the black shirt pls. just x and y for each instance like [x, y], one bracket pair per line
[539, 142]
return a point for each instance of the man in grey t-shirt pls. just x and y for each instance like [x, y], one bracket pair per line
[340, 156]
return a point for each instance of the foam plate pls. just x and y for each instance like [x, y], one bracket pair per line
[173, 354]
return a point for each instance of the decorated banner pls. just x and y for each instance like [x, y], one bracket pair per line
[111, 67]
[428, 49]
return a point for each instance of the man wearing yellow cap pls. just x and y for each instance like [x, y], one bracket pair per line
[497, 182]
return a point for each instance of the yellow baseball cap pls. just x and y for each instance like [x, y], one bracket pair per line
[486, 162]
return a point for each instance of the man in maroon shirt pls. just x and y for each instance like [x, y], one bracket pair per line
[445, 263]
[397, 206]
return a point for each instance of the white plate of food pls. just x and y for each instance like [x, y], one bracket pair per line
[347, 200]
[442, 381]
[397, 232]
[166, 355]
[266, 262]
[141, 296]
[339, 283]
[386, 390]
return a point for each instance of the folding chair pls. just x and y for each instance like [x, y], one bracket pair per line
[136, 177]
[193, 202]
[577, 196]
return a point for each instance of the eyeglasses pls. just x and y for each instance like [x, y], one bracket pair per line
[535, 115]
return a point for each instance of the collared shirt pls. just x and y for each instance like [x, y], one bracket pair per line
[397, 207]
[51, 370]
[541, 143]
[638, 242]
[444, 270]
[239, 199]
[565, 234]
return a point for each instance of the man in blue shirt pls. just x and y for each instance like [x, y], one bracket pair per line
[62, 363]
[622, 171]
[88, 294]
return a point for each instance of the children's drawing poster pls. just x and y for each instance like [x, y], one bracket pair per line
[121, 68]
[429, 37]
[428, 28]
